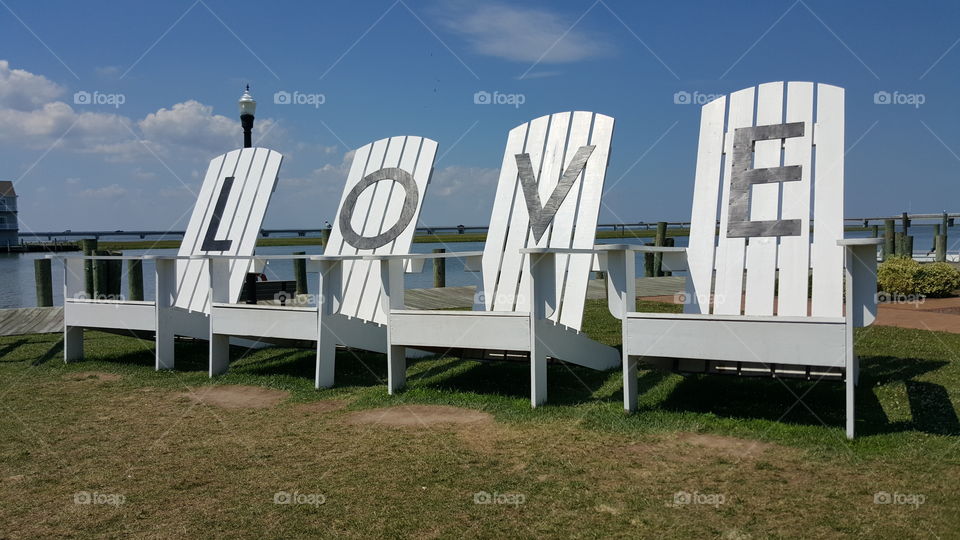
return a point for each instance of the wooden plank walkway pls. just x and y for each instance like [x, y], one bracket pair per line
[17, 322]
[49, 320]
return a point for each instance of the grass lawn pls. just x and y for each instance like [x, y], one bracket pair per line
[704, 456]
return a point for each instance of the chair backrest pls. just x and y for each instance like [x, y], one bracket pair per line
[378, 214]
[226, 220]
[548, 195]
[770, 159]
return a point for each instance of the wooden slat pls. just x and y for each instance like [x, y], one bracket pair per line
[506, 196]
[377, 210]
[548, 176]
[584, 218]
[508, 282]
[794, 253]
[761, 253]
[366, 272]
[826, 255]
[191, 275]
[355, 271]
[730, 251]
[703, 226]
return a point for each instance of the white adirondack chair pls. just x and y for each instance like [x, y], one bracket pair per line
[226, 220]
[377, 215]
[774, 156]
[533, 295]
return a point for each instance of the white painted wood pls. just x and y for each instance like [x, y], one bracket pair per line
[255, 172]
[551, 142]
[761, 253]
[508, 295]
[506, 330]
[794, 255]
[826, 255]
[584, 219]
[730, 251]
[767, 341]
[703, 228]
[377, 210]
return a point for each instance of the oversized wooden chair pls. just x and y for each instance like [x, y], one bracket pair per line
[534, 280]
[764, 296]
[377, 215]
[226, 219]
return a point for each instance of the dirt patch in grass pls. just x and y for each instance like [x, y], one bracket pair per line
[321, 407]
[691, 447]
[727, 446]
[97, 376]
[419, 416]
[237, 396]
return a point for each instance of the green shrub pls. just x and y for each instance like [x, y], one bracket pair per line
[937, 279]
[903, 275]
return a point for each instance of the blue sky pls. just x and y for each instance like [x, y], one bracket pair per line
[413, 67]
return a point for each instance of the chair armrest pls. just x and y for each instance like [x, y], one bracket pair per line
[860, 265]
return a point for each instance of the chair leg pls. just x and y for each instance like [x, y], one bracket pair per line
[396, 368]
[850, 394]
[538, 378]
[164, 341]
[326, 362]
[219, 354]
[72, 344]
[629, 383]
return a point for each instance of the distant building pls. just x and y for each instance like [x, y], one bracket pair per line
[9, 229]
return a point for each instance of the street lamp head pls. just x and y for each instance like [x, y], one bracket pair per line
[248, 105]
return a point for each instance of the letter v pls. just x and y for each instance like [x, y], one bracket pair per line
[542, 216]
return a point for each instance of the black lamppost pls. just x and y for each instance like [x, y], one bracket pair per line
[248, 107]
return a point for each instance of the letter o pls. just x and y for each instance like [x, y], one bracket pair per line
[410, 202]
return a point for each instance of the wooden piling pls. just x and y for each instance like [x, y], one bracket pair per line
[88, 246]
[905, 223]
[936, 233]
[101, 276]
[658, 241]
[114, 276]
[44, 279]
[908, 248]
[135, 279]
[889, 246]
[943, 230]
[941, 248]
[300, 273]
[439, 270]
[875, 231]
[648, 265]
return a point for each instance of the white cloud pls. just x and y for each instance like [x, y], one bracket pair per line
[23, 91]
[521, 34]
[107, 192]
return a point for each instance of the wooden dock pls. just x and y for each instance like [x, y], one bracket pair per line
[49, 320]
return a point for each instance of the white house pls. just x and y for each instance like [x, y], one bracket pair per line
[8, 214]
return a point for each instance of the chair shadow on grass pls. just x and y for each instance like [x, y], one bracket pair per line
[7, 349]
[817, 403]
[353, 367]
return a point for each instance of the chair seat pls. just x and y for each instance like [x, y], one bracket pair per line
[505, 330]
[805, 341]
